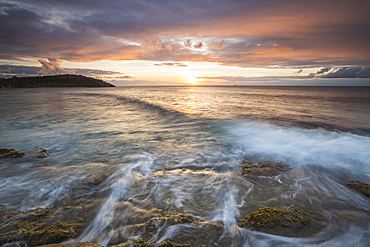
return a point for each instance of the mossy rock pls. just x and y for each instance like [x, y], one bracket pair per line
[95, 182]
[203, 233]
[276, 221]
[82, 244]
[35, 233]
[142, 243]
[268, 169]
[361, 187]
[10, 153]
[169, 243]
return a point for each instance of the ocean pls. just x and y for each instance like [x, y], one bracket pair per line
[159, 151]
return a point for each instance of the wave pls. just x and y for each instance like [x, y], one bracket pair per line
[296, 146]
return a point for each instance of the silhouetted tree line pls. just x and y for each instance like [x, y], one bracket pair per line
[53, 81]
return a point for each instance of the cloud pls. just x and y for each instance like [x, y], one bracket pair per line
[218, 45]
[171, 64]
[7, 71]
[298, 72]
[323, 70]
[198, 45]
[52, 67]
[342, 72]
[349, 72]
[187, 43]
[290, 33]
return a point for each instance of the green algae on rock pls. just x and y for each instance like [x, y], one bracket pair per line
[82, 244]
[361, 187]
[95, 181]
[142, 243]
[252, 169]
[34, 153]
[270, 219]
[169, 243]
[35, 233]
[203, 233]
[10, 153]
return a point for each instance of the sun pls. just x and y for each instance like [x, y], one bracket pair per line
[191, 78]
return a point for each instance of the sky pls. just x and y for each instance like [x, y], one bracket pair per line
[189, 42]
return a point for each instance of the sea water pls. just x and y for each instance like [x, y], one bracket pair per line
[179, 149]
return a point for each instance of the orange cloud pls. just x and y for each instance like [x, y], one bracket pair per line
[268, 33]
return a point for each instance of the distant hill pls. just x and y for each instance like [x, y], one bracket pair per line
[53, 81]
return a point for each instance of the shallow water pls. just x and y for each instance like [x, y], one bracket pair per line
[178, 150]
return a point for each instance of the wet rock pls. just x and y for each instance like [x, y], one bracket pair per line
[82, 244]
[267, 169]
[290, 222]
[35, 233]
[37, 153]
[10, 153]
[361, 187]
[95, 182]
[178, 228]
[38, 165]
[142, 243]
[46, 225]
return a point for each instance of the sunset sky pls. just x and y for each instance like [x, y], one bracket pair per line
[182, 42]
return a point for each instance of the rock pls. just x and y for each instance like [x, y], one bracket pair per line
[10, 153]
[267, 169]
[361, 187]
[142, 243]
[35, 233]
[37, 153]
[82, 244]
[277, 221]
[177, 228]
[95, 181]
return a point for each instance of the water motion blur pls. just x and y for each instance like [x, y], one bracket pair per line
[166, 162]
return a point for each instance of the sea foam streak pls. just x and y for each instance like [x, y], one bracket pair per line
[295, 146]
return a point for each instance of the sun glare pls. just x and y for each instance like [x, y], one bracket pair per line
[191, 78]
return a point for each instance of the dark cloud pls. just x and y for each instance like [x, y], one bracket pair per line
[198, 45]
[171, 64]
[323, 70]
[257, 33]
[299, 71]
[343, 72]
[7, 71]
[349, 72]
[187, 43]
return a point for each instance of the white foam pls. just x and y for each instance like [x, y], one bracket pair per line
[100, 229]
[296, 146]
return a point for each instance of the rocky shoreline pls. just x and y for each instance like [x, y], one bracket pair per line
[44, 226]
